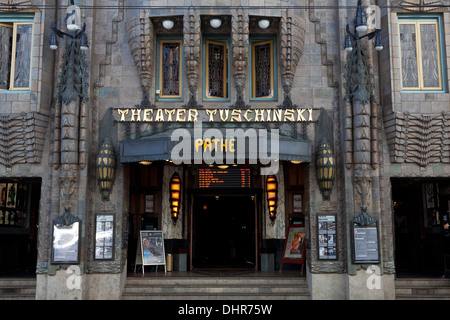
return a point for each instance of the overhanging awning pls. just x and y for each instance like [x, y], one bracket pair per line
[160, 148]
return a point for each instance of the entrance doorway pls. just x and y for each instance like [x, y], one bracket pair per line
[421, 226]
[223, 231]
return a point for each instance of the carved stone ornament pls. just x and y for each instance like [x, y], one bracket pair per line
[13, 6]
[364, 219]
[240, 54]
[140, 39]
[292, 41]
[419, 5]
[192, 44]
[421, 139]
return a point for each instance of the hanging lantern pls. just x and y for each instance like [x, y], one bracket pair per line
[106, 168]
[325, 168]
[175, 196]
[272, 199]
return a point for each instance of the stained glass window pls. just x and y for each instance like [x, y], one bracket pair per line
[216, 69]
[420, 55]
[15, 55]
[170, 69]
[262, 69]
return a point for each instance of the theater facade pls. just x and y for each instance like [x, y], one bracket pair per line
[225, 126]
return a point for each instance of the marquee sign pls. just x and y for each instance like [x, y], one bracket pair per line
[215, 115]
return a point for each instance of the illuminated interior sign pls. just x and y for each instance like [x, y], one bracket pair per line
[224, 178]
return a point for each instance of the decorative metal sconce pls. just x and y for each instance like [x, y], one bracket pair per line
[175, 196]
[325, 168]
[361, 27]
[106, 168]
[272, 196]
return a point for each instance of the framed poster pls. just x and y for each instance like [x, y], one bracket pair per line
[149, 203]
[152, 248]
[294, 245]
[365, 243]
[11, 195]
[326, 225]
[104, 237]
[65, 248]
[297, 203]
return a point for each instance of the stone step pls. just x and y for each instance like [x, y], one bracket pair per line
[17, 289]
[213, 288]
[422, 289]
[244, 288]
[427, 282]
[208, 296]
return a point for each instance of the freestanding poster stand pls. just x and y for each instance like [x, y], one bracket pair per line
[295, 246]
[150, 250]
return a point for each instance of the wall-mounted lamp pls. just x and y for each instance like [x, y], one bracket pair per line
[361, 20]
[325, 168]
[175, 196]
[106, 168]
[215, 23]
[264, 23]
[168, 24]
[272, 196]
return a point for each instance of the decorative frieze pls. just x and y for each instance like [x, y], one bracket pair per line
[292, 41]
[140, 39]
[420, 138]
[240, 53]
[23, 137]
[192, 44]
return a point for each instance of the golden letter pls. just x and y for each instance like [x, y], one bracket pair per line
[215, 143]
[211, 114]
[222, 112]
[147, 115]
[207, 144]
[198, 143]
[277, 115]
[135, 112]
[159, 115]
[259, 113]
[180, 113]
[310, 115]
[300, 116]
[193, 114]
[236, 115]
[289, 115]
[232, 141]
[245, 115]
[122, 114]
[170, 113]
[268, 114]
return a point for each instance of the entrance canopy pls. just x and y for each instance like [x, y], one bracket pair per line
[242, 145]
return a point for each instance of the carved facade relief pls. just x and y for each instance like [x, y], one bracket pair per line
[419, 5]
[240, 53]
[421, 138]
[192, 44]
[292, 40]
[23, 137]
[140, 39]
